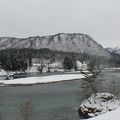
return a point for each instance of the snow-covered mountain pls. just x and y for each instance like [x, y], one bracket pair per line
[115, 50]
[76, 42]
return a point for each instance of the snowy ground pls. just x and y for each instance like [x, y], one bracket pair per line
[98, 104]
[44, 79]
[113, 115]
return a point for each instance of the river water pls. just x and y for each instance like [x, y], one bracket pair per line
[52, 101]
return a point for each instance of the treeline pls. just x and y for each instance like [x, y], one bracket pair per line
[13, 60]
[20, 59]
[115, 60]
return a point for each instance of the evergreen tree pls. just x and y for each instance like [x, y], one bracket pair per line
[13, 60]
[68, 63]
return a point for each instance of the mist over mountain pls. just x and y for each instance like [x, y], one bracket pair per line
[76, 42]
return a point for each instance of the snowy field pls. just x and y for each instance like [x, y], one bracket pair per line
[44, 79]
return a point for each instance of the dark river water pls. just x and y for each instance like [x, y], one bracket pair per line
[52, 101]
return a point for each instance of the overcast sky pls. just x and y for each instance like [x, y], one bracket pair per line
[98, 18]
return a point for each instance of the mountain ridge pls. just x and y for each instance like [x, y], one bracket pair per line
[67, 42]
[115, 49]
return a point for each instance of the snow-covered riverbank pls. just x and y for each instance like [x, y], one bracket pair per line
[98, 104]
[113, 115]
[44, 79]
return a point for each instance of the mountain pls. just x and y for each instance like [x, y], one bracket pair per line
[76, 42]
[115, 49]
[115, 56]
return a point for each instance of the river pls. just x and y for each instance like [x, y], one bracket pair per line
[52, 101]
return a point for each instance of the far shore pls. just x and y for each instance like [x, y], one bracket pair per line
[42, 79]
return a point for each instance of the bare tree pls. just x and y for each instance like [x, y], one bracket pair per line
[25, 111]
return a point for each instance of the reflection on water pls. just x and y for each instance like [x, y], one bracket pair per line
[51, 101]
[111, 82]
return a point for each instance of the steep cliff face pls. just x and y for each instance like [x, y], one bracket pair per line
[76, 42]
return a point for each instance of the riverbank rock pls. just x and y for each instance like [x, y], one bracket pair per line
[98, 104]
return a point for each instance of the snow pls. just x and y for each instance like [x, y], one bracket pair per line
[32, 69]
[3, 72]
[113, 115]
[44, 79]
[80, 65]
[83, 72]
[73, 72]
[98, 104]
[56, 65]
[86, 73]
